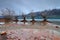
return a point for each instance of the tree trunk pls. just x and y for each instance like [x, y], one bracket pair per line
[45, 19]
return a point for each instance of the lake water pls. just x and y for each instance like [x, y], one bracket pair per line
[42, 19]
[55, 21]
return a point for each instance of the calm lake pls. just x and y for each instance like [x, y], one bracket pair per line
[55, 21]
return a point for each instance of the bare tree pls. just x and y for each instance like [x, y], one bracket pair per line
[44, 15]
[8, 14]
[24, 18]
[32, 16]
[16, 19]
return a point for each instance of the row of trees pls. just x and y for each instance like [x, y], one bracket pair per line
[9, 15]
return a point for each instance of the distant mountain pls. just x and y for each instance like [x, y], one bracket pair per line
[55, 13]
[1, 16]
[51, 14]
[48, 12]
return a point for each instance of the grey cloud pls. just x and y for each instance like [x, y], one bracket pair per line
[28, 5]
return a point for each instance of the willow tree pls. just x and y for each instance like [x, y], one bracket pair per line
[44, 15]
[24, 18]
[8, 14]
[32, 17]
[16, 19]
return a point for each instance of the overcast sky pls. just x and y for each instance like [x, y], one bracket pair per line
[27, 5]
